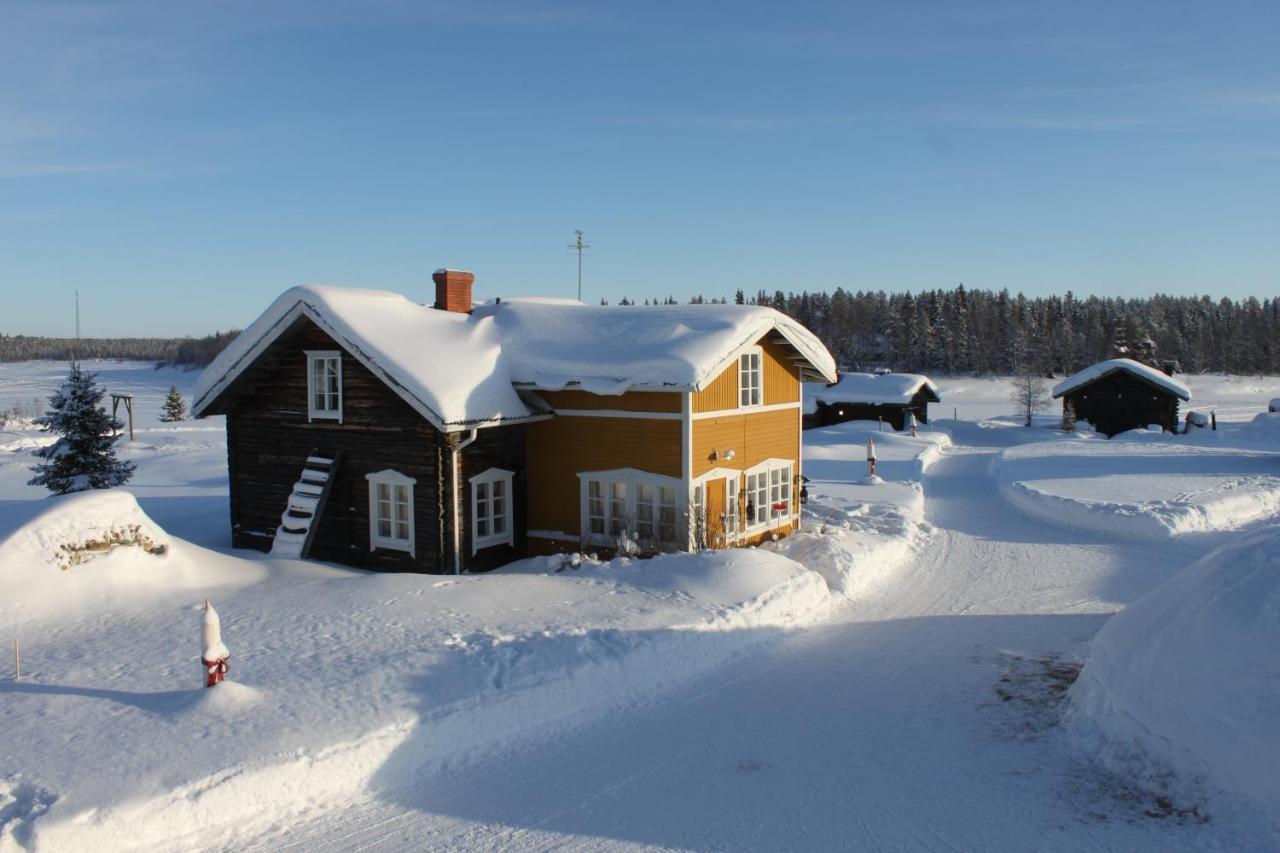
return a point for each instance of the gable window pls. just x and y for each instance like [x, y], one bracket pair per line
[750, 377]
[768, 494]
[324, 384]
[390, 511]
[491, 515]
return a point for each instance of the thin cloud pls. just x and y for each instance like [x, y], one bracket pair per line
[47, 170]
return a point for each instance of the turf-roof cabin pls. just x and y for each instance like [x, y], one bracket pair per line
[1122, 394]
[889, 397]
[368, 429]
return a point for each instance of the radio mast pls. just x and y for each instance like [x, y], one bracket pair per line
[579, 246]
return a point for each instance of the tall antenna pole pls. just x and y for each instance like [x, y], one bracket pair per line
[75, 352]
[578, 246]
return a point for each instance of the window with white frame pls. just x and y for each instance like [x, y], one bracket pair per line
[634, 502]
[768, 493]
[491, 512]
[731, 507]
[324, 384]
[390, 511]
[751, 377]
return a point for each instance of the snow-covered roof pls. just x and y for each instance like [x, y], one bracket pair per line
[609, 349]
[1095, 372]
[876, 388]
[461, 371]
[448, 366]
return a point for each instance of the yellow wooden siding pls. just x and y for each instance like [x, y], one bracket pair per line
[781, 382]
[753, 438]
[631, 401]
[560, 448]
[781, 376]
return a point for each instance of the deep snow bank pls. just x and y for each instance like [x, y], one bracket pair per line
[1182, 688]
[1140, 485]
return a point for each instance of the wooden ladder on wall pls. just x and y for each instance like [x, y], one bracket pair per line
[306, 504]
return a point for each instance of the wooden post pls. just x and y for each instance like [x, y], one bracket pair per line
[116, 400]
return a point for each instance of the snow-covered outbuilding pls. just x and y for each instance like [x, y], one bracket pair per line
[366, 428]
[891, 397]
[1122, 394]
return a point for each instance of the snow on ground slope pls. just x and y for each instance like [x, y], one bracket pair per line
[1182, 689]
[1143, 485]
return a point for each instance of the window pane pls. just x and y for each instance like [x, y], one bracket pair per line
[402, 531]
[384, 492]
[499, 488]
[384, 528]
[482, 491]
[499, 524]
[596, 525]
[482, 527]
[499, 506]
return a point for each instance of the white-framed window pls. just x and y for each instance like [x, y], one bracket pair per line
[768, 494]
[390, 511]
[731, 507]
[324, 384]
[491, 510]
[637, 503]
[751, 377]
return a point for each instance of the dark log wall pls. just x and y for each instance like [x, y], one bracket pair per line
[269, 438]
[1121, 401]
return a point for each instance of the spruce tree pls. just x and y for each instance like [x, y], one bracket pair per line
[174, 407]
[84, 455]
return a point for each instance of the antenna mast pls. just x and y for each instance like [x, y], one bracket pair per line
[75, 352]
[578, 246]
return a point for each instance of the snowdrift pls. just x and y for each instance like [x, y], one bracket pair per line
[1140, 485]
[1182, 688]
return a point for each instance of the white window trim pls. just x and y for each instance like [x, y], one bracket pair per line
[312, 412]
[632, 477]
[758, 351]
[491, 476]
[752, 526]
[391, 478]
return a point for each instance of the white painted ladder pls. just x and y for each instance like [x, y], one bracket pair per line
[293, 536]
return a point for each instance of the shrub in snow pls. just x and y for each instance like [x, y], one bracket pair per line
[84, 455]
[174, 407]
[1182, 688]
[74, 553]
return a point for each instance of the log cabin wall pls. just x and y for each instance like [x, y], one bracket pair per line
[1121, 401]
[269, 439]
[495, 447]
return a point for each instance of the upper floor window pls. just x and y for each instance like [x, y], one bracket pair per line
[750, 377]
[491, 509]
[324, 384]
[390, 511]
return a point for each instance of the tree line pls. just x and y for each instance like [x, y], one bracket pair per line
[187, 352]
[963, 331]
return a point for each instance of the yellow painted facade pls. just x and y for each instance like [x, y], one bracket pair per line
[711, 422]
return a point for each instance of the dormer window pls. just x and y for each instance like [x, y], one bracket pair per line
[750, 377]
[324, 385]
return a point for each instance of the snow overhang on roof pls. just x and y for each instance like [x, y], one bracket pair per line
[554, 345]
[450, 367]
[1105, 368]
[877, 389]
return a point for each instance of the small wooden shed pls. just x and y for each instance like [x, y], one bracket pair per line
[891, 397]
[1122, 394]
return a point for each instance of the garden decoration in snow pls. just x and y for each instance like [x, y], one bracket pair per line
[215, 655]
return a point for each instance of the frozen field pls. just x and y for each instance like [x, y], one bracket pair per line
[891, 678]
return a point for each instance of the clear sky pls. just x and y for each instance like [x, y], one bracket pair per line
[181, 163]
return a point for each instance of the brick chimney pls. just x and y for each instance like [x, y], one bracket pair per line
[453, 290]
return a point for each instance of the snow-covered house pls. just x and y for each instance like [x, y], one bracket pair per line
[368, 429]
[892, 397]
[1122, 394]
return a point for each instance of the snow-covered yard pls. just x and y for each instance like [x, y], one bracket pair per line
[890, 678]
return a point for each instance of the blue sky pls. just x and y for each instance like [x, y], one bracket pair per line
[183, 163]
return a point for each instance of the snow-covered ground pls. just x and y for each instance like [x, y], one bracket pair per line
[891, 678]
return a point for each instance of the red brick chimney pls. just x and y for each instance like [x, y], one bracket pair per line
[453, 290]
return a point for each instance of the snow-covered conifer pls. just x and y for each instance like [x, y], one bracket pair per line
[84, 455]
[174, 408]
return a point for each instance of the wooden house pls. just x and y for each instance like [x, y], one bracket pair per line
[890, 397]
[1122, 394]
[367, 429]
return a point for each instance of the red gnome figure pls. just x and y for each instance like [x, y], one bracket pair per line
[215, 655]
